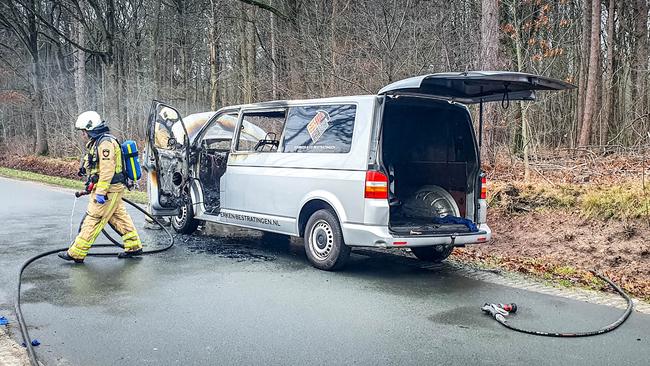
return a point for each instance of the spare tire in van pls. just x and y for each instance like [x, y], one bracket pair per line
[430, 202]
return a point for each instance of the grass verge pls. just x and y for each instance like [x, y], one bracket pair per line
[620, 202]
[136, 196]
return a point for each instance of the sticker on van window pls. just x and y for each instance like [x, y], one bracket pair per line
[318, 125]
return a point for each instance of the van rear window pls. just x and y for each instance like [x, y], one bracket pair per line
[319, 129]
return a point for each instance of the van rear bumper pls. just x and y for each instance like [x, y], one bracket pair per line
[360, 235]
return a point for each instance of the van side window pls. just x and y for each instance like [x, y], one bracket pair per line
[320, 129]
[218, 136]
[261, 131]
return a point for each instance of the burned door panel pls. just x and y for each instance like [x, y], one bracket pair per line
[168, 141]
[212, 167]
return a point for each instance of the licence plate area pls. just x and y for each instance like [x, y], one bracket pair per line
[457, 239]
[429, 229]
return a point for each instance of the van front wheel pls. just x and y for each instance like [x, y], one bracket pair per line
[185, 223]
[324, 243]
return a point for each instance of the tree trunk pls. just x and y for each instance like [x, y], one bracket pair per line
[251, 52]
[640, 56]
[592, 76]
[607, 74]
[274, 56]
[154, 51]
[243, 69]
[584, 60]
[248, 51]
[41, 146]
[525, 138]
[488, 61]
[214, 58]
[333, 47]
[80, 72]
[111, 84]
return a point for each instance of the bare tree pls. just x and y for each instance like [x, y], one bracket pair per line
[22, 20]
[488, 59]
[608, 85]
[592, 75]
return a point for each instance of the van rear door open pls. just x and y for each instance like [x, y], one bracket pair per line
[476, 86]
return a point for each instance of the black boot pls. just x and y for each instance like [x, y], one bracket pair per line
[132, 254]
[67, 257]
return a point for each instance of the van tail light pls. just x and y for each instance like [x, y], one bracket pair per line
[376, 185]
[483, 186]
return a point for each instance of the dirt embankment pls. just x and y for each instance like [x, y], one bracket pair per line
[561, 245]
[574, 214]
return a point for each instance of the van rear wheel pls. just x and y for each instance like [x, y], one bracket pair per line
[324, 243]
[436, 253]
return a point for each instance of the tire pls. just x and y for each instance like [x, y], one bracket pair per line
[431, 201]
[185, 223]
[324, 243]
[436, 253]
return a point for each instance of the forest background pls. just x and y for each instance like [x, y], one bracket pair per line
[61, 57]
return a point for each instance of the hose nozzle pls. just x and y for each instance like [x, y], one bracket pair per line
[499, 311]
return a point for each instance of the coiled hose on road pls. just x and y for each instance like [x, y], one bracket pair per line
[500, 318]
[603, 330]
[19, 314]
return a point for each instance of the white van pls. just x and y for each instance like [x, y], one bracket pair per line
[392, 170]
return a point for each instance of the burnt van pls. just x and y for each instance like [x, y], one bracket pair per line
[399, 169]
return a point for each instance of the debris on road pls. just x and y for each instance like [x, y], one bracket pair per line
[34, 342]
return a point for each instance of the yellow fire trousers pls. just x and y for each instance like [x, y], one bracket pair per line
[98, 215]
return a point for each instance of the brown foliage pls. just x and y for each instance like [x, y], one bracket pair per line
[42, 165]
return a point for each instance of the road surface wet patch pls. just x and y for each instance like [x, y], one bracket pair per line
[242, 251]
[466, 317]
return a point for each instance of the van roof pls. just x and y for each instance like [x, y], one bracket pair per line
[294, 102]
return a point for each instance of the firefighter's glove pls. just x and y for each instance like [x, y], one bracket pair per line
[101, 199]
[81, 172]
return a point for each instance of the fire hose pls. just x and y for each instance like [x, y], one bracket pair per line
[19, 314]
[500, 311]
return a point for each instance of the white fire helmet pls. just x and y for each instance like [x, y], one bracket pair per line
[89, 121]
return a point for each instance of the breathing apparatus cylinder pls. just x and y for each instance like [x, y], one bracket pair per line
[131, 160]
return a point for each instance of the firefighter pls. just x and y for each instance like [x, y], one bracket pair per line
[103, 165]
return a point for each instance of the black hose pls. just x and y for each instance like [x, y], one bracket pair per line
[19, 314]
[605, 329]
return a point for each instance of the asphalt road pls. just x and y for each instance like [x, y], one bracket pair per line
[215, 300]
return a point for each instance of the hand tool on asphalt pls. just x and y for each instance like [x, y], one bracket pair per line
[19, 314]
[500, 311]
